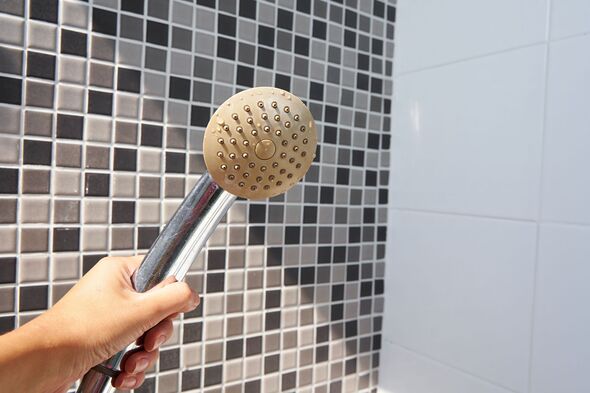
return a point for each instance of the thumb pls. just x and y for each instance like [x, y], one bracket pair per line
[169, 298]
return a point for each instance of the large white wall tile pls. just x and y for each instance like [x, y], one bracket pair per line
[408, 372]
[467, 137]
[437, 32]
[561, 349]
[461, 292]
[569, 17]
[566, 189]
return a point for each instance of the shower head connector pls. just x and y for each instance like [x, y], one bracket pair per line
[260, 142]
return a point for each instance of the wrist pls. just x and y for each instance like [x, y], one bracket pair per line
[37, 358]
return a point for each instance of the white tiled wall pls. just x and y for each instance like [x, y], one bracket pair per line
[488, 261]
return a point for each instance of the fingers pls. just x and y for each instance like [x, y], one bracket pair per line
[170, 299]
[132, 263]
[157, 335]
[139, 361]
[133, 368]
[126, 381]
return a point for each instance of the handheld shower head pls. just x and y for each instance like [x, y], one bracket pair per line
[258, 144]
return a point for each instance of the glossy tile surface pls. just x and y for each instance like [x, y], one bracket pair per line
[449, 147]
[565, 189]
[418, 374]
[436, 33]
[569, 17]
[451, 258]
[561, 348]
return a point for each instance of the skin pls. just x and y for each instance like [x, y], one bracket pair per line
[98, 317]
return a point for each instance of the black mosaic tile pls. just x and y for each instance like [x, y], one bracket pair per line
[257, 213]
[215, 282]
[6, 324]
[157, 33]
[11, 92]
[271, 364]
[226, 48]
[100, 102]
[37, 152]
[179, 88]
[207, 3]
[216, 259]
[226, 25]
[7, 270]
[213, 375]
[274, 256]
[248, 8]
[285, 19]
[40, 65]
[146, 236]
[73, 43]
[151, 135]
[104, 21]
[128, 80]
[304, 6]
[200, 115]
[8, 181]
[234, 349]
[266, 58]
[292, 235]
[69, 126]
[97, 184]
[123, 212]
[135, 6]
[33, 298]
[245, 76]
[125, 159]
[66, 239]
[272, 299]
[252, 386]
[44, 10]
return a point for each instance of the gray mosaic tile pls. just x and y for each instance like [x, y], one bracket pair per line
[11, 30]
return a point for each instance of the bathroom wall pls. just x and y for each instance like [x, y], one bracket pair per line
[102, 112]
[487, 266]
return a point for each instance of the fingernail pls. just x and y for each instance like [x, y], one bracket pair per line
[196, 299]
[159, 341]
[141, 365]
[129, 382]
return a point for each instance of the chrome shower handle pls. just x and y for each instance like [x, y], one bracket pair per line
[172, 253]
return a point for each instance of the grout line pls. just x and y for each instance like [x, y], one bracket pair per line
[450, 366]
[21, 134]
[468, 58]
[464, 215]
[540, 200]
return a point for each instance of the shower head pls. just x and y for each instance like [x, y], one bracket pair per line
[260, 142]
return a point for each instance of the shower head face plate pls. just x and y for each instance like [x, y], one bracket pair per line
[260, 142]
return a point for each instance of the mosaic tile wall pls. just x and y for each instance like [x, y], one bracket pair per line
[102, 111]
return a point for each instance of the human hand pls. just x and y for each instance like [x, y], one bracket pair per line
[98, 317]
